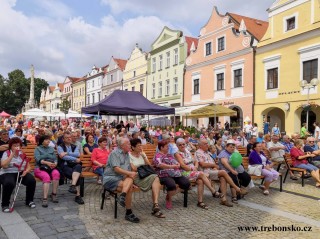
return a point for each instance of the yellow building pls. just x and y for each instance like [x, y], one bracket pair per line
[289, 53]
[79, 94]
[135, 73]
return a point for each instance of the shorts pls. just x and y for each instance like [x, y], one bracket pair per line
[111, 183]
[213, 174]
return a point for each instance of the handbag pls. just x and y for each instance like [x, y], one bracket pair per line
[45, 168]
[255, 169]
[145, 170]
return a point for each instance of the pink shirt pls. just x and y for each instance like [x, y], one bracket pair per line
[99, 155]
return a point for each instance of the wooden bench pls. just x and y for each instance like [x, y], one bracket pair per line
[245, 163]
[242, 150]
[288, 162]
[86, 171]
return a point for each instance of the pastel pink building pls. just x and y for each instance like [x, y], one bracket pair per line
[221, 69]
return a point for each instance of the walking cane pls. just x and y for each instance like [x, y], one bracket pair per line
[19, 184]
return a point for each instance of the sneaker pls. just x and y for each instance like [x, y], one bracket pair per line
[132, 218]
[72, 189]
[79, 200]
[31, 205]
[121, 200]
[6, 209]
[266, 192]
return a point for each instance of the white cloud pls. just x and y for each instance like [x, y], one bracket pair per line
[50, 77]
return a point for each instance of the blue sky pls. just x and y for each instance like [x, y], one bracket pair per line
[68, 37]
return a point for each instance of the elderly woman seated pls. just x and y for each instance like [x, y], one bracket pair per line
[257, 158]
[299, 160]
[168, 170]
[190, 170]
[150, 182]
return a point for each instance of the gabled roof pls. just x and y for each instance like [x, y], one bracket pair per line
[79, 79]
[73, 79]
[61, 86]
[189, 41]
[51, 88]
[254, 26]
[121, 63]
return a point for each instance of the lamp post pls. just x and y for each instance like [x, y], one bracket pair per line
[305, 85]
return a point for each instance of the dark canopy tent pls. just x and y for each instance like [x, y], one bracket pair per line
[127, 103]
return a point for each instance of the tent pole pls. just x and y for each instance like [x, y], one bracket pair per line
[98, 119]
[174, 122]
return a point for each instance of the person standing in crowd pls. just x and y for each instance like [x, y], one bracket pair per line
[275, 130]
[227, 126]
[316, 131]
[304, 132]
[4, 141]
[254, 130]
[266, 126]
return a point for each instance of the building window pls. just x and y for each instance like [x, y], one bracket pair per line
[58, 105]
[220, 81]
[141, 88]
[221, 44]
[154, 67]
[111, 78]
[291, 23]
[167, 87]
[93, 101]
[176, 56]
[175, 87]
[88, 99]
[272, 78]
[99, 96]
[160, 62]
[168, 59]
[208, 49]
[310, 70]
[133, 88]
[196, 87]
[134, 73]
[153, 90]
[160, 89]
[237, 78]
[92, 83]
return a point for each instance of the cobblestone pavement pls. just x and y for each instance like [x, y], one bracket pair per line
[2, 234]
[59, 220]
[297, 206]
[282, 209]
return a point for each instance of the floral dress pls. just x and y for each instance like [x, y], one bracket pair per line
[188, 160]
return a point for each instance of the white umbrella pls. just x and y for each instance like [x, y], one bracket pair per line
[36, 112]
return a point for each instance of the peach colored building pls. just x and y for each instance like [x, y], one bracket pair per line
[221, 70]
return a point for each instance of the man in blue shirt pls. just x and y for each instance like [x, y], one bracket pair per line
[287, 143]
[313, 148]
[265, 127]
[260, 137]
[71, 165]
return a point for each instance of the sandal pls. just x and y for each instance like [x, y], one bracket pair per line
[226, 203]
[234, 200]
[31, 205]
[243, 191]
[216, 194]
[54, 198]
[202, 205]
[44, 202]
[156, 211]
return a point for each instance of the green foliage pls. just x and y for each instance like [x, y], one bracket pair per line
[65, 106]
[15, 90]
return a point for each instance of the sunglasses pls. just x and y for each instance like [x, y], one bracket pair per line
[311, 141]
[182, 145]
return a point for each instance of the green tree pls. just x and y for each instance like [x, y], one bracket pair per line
[15, 91]
[65, 105]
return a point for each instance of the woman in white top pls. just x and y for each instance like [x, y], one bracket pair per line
[143, 139]
[254, 130]
[137, 159]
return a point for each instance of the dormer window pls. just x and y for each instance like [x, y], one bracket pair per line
[291, 23]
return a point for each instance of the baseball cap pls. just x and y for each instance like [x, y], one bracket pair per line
[231, 141]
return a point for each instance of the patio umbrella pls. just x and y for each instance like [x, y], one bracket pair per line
[212, 110]
[4, 114]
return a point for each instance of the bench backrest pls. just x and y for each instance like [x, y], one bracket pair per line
[242, 150]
